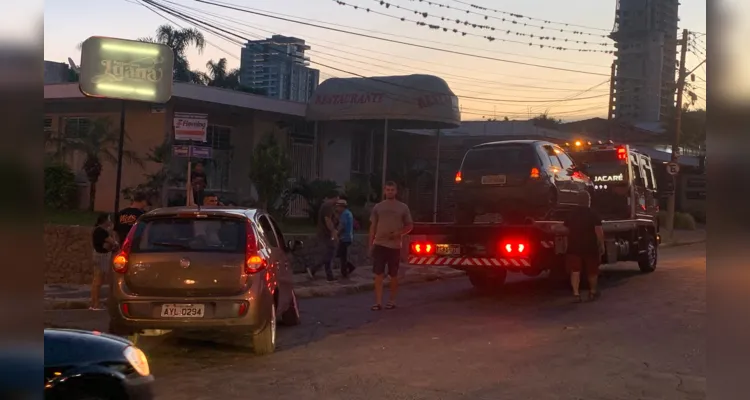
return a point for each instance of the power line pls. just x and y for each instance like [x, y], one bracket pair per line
[446, 29]
[476, 25]
[402, 42]
[203, 24]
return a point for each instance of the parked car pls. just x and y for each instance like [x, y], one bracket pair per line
[517, 179]
[190, 268]
[89, 365]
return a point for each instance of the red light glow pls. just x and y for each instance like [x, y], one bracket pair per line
[422, 248]
[514, 248]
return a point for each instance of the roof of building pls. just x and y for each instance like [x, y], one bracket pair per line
[200, 93]
[406, 102]
[508, 129]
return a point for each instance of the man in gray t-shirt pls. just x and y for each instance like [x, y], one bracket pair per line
[389, 222]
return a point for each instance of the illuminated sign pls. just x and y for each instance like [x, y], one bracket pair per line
[126, 69]
[609, 178]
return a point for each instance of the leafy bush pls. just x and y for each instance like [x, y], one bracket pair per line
[358, 189]
[699, 216]
[270, 171]
[683, 221]
[314, 192]
[59, 187]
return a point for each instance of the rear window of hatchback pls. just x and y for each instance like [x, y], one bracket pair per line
[190, 234]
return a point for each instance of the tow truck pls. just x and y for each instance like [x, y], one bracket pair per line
[623, 194]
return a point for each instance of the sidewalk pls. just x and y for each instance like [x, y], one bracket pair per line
[77, 296]
[58, 297]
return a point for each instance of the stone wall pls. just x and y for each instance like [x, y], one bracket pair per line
[68, 258]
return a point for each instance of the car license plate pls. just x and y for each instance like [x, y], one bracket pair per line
[493, 180]
[448, 249]
[182, 310]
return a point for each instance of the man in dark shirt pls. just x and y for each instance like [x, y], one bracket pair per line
[327, 235]
[128, 216]
[585, 248]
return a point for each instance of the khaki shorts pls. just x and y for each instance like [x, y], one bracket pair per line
[577, 263]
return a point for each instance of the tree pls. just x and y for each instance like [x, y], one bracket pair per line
[180, 41]
[219, 76]
[545, 121]
[315, 192]
[270, 171]
[98, 144]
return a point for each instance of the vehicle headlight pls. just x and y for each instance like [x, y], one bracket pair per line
[138, 360]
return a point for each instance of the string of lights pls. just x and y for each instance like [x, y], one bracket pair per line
[475, 25]
[447, 29]
[525, 17]
[415, 45]
[214, 29]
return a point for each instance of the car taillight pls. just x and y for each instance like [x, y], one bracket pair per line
[622, 153]
[514, 248]
[423, 248]
[254, 262]
[120, 262]
[534, 173]
[458, 177]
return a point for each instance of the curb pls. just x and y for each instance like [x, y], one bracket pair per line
[680, 244]
[303, 292]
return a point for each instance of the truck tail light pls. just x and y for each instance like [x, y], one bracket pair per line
[458, 177]
[254, 262]
[622, 153]
[514, 248]
[122, 258]
[423, 248]
[534, 173]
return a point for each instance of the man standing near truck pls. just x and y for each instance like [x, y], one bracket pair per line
[389, 222]
[585, 248]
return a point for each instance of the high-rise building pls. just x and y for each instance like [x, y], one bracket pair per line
[278, 66]
[645, 33]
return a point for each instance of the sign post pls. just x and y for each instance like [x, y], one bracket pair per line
[127, 70]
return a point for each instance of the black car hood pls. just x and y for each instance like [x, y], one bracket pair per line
[69, 346]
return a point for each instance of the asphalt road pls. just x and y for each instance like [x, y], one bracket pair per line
[644, 339]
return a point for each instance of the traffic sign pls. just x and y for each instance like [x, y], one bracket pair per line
[673, 168]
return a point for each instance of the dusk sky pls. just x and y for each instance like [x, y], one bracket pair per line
[498, 88]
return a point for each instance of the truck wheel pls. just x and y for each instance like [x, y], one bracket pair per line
[485, 282]
[648, 259]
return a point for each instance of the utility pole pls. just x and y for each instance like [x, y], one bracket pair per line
[676, 137]
[611, 99]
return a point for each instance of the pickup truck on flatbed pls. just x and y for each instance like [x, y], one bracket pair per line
[623, 193]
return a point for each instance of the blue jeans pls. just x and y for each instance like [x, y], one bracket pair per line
[329, 251]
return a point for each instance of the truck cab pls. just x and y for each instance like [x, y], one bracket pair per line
[623, 178]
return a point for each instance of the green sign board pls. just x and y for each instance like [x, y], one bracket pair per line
[126, 69]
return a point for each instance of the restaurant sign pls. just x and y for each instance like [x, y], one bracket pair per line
[126, 69]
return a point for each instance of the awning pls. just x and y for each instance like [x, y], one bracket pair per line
[406, 102]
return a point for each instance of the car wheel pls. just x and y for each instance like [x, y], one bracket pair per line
[291, 315]
[648, 259]
[264, 342]
[485, 282]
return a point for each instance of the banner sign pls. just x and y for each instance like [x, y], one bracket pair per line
[182, 150]
[190, 127]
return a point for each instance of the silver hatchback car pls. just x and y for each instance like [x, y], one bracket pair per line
[189, 268]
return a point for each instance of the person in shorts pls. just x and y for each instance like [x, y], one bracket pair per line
[585, 248]
[389, 222]
[103, 244]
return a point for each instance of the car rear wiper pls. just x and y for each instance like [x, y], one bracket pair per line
[171, 244]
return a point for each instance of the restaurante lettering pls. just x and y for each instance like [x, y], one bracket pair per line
[349, 98]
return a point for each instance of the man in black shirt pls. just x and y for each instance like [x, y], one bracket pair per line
[127, 217]
[585, 248]
[327, 235]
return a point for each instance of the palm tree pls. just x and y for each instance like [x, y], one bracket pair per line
[219, 76]
[99, 144]
[179, 41]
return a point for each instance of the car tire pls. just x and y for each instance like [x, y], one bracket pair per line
[291, 316]
[647, 260]
[264, 342]
[485, 282]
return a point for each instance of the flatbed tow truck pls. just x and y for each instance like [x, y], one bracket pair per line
[487, 252]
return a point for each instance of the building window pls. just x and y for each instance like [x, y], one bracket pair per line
[76, 127]
[360, 142]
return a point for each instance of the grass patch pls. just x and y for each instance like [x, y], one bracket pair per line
[70, 217]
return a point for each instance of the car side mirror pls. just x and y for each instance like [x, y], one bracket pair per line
[294, 245]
